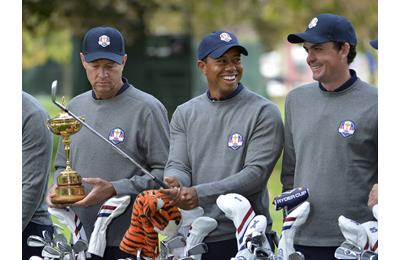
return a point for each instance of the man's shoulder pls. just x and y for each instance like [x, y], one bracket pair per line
[366, 88]
[30, 105]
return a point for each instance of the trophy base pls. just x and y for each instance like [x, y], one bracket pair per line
[68, 194]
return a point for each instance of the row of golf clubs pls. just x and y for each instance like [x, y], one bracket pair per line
[348, 250]
[57, 247]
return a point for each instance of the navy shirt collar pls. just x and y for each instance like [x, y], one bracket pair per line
[346, 85]
[234, 93]
[124, 87]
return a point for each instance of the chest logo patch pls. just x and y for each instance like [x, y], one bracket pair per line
[235, 141]
[117, 135]
[347, 128]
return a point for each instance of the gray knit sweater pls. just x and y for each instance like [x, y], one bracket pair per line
[205, 154]
[331, 147]
[144, 122]
[36, 154]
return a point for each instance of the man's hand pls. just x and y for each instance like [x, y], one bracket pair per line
[101, 191]
[373, 196]
[51, 194]
[183, 197]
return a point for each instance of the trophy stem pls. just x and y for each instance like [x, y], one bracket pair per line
[67, 142]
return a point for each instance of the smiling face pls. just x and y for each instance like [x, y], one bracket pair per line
[105, 76]
[223, 74]
[328, 64]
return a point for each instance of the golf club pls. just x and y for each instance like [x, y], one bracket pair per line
[263, 253]
[35, 241]
[198, 249]
[79, 246]
[50, 252]
[296, 256]
[53, 98]
[369, 255]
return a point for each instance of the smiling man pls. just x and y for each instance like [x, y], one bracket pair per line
[331, 136]
[224, 141]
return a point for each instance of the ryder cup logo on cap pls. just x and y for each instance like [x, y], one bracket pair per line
[217, 43]
[313, 23]
[117, 135]
[346, 128]
[235, 141]
[103, 43]
[326, 28]
[104, 40]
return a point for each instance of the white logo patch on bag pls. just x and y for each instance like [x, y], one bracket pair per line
[235, 141]
[346, 128]
[117, 135]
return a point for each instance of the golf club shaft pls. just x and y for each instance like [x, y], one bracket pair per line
[159, 182]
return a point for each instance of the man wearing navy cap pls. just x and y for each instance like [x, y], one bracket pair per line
[331, 136]
[133, 120]
[226, 140]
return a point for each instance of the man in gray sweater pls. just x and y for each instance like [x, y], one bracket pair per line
[331, 136]
[133, 120]
[37, 144]
[226, 140]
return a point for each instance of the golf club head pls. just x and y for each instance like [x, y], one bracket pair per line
[35, 241]
[51, 252]
[345, 253]
[356, 249]
[296, 256]
[47, 237]
[35, 258]
[54, 91]
[198, 249]
[175, 242]
[369, 255]
[59, 238]
[80, 245]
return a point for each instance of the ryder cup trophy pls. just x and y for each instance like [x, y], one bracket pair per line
[69, 183]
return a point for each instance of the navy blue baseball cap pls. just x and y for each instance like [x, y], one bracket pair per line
[103, 43]
[217, 43]
[326, 28]
[374, 44]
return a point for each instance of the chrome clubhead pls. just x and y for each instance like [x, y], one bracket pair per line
[80, 245]
[296, 256]
[51, 252]
[347, 250]
[35, 241]
[369, 255]
[198, 249]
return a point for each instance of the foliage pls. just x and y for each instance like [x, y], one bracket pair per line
[271, 20]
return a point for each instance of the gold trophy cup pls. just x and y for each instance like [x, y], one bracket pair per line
[69, 183]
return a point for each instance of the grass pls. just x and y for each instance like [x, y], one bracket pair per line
[274, 184]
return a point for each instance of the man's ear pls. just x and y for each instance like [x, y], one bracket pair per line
[124, 59]
[82, 60]
[344, 51]
[202, 66]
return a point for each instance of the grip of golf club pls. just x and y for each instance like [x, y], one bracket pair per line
[291, 199]
[162, 184]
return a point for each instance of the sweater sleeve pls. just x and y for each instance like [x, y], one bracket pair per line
[178, 165]
[263, 150]
[289, 155]
[155, 146]
[36, 155]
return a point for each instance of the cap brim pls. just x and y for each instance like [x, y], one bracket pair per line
[305, 37]
[374, 44]
[220, 51]
[103, 55]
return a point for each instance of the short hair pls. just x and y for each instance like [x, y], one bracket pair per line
[352, 52]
